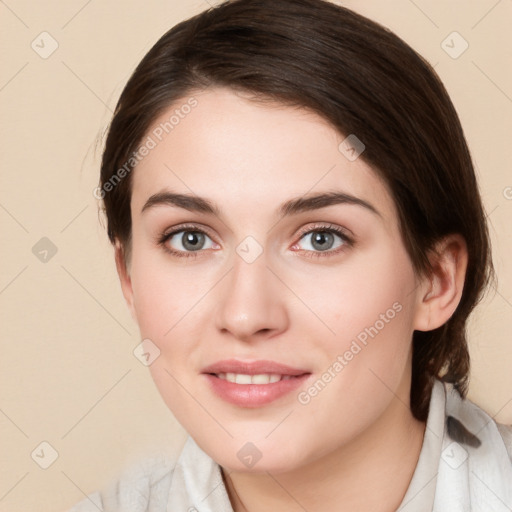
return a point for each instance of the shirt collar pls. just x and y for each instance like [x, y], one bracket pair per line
[422, 488]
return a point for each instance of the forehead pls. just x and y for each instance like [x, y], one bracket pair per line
[223, 145]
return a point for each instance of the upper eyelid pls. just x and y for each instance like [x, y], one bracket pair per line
[186, 227]
[340, 230]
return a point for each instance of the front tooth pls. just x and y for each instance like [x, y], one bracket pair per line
[243, 379]
[261, 379]
[240, 378]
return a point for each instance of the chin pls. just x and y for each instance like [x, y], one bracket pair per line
[273, 466]
[256, 457]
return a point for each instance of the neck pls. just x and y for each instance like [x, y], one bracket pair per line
[373, 472]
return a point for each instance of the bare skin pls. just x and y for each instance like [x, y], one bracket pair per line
[355, 444]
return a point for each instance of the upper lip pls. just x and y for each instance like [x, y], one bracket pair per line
[252, 368]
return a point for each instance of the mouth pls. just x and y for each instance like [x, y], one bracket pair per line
[252, 368]
[253, 384]
[261, 378]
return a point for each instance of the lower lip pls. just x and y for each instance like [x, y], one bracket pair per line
[253, 395]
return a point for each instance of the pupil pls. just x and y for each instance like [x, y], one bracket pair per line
[192, 240]
[322, 240]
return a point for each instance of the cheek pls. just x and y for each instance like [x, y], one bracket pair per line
[167, 302]
[155, 303]
[371, 290]
[368, 307]
[166, 294]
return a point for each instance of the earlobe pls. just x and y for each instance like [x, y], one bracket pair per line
[124, 278]
[441, 291]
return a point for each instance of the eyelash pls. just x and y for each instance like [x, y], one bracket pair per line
[324, 228]
[165, 237]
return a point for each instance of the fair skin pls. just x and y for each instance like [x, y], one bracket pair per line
[356, 442]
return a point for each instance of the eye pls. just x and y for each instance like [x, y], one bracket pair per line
[323, 239]
[186, 241]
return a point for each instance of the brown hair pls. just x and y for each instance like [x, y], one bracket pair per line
[364, 80]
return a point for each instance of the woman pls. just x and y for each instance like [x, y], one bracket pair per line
[299, 235]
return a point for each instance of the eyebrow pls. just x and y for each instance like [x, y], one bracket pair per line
[315, 202]
[294, 206]
[189, 202]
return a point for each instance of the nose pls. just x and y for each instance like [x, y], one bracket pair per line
[251, 303]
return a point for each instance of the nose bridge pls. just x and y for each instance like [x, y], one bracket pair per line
[251, 301]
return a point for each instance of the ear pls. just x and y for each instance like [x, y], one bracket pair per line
[124, 277]
[440, 293]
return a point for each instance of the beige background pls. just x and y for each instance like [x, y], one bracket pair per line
[68, 374]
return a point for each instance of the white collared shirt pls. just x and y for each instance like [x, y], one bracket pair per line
[465, 464]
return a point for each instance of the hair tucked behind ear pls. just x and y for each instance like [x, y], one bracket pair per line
[365, 81]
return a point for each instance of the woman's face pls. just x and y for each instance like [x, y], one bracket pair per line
[286, 251]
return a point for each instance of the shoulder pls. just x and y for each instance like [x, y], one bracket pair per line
[469, 425]
[475, 463]
[506, 434]
[160, 483]
[144, 484]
